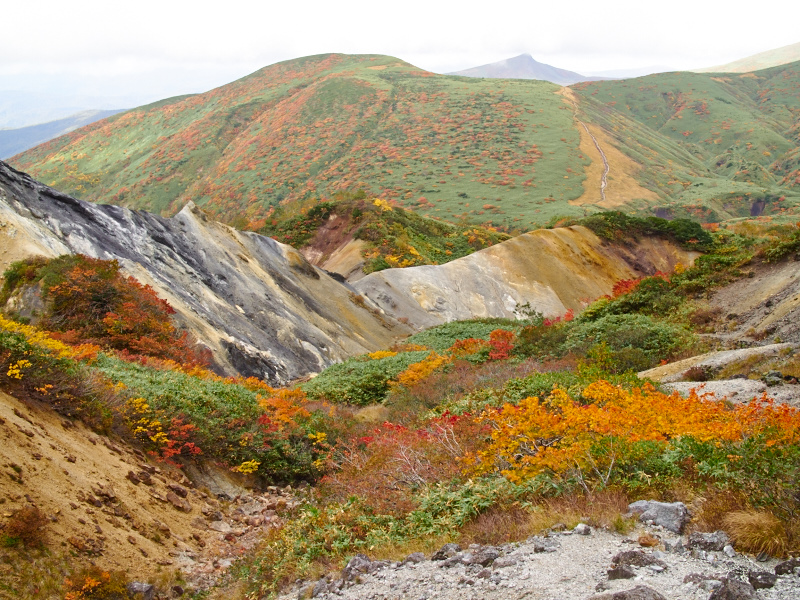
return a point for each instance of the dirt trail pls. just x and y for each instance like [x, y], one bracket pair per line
[606, 168]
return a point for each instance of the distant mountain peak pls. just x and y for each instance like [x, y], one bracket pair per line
[525, 66]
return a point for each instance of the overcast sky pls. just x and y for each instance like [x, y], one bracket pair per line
[150, 49]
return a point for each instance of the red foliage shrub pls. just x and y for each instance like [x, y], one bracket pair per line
[502, 343]
[90, 301]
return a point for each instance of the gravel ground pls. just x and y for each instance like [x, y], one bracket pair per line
[561, 566]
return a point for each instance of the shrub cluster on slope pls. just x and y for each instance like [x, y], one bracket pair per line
[88, 300]
[394, 237]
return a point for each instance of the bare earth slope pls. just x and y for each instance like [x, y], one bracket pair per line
[553, 270]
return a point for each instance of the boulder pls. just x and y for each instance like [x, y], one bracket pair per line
[141, 591]
[446, 551]
[640, 592]
[787, 567]
[733, 589]
[708, 541]
[761, 580]
[670, 515]
[636, 558]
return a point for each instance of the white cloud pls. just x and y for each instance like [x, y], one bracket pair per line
[170, 47]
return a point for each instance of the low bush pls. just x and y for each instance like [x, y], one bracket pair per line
[637, 339]
[175, 413]
[360, 380]
[442, 337]
[26, 526]
[94, 583]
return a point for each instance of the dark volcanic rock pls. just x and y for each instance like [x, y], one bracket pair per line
[260, 307]
[733, 589]
[640, 592]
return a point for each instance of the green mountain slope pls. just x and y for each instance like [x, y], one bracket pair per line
[716, 146]
[495, 151]
[504, 151]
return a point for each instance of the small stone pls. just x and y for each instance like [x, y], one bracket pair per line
[621, 572]
[446, 552]
[582, 529]
[761, 580]
[729, 551]
[180, 503]
[178, 489]
[220, 526]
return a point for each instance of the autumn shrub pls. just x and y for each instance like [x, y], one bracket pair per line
[400, 460]
[37, 366]
[89, 301]
[26, 526]
[783, 247]
[94, 583]
[643, 437]
[178, 414]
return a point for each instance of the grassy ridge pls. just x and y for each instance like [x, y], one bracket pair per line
[492, 151]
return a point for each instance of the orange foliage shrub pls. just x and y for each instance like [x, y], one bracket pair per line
[565, 435]
[420, 370]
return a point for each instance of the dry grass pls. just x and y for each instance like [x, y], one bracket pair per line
[709, 511]
[499, 525]
[756, 532]
[601, 509]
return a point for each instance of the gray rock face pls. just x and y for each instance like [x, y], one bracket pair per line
[260, 307]
[669, 515]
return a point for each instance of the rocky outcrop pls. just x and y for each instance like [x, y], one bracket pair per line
[553, 270]
[259, 306]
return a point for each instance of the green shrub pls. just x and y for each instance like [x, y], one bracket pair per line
[655, 340]
[360, 380]
[442, 337]
[542, 340]
[617, 226]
